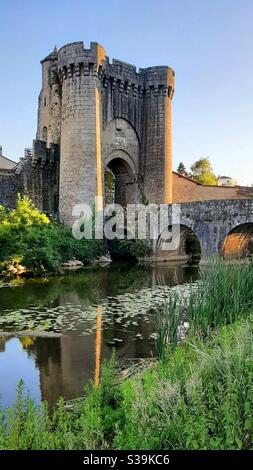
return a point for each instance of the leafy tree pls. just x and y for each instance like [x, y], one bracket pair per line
[25, 214]
[202, 172]
[181, 169]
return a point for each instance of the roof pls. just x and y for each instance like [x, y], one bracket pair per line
[6, 163]
[205, 185]
[187, 178]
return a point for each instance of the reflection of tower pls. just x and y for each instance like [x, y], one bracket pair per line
[48, 359]
[2, 344]
[98, 346]
[77, 362]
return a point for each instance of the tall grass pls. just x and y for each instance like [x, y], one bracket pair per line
[169, 319]
[224, 293]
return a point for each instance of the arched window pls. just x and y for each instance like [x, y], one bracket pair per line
[44, 134]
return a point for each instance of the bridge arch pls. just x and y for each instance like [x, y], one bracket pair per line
[189, 247]
[238, 243]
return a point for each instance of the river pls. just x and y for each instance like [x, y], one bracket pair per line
[90, 314]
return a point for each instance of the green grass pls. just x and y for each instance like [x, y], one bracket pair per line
[224, 293]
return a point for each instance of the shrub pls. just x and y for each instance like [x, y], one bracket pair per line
[128, 249]
[28, 237]
[25, 214]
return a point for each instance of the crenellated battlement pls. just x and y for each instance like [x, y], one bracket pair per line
[75, 61]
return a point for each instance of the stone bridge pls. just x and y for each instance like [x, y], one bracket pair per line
[213, 227]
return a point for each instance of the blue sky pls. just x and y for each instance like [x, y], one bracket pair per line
[209, 43]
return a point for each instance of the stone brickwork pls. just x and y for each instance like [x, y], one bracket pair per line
[212, 221]
[106, 114]
[37, 178]
[10, 185]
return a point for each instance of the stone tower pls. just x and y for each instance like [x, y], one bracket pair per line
[106, 117]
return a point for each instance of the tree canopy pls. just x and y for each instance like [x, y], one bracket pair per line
[202, 172]
[181, 169]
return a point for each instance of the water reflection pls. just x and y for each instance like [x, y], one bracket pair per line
[53, 367]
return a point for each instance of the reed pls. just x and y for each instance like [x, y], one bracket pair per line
[169, 319]
[224, 293]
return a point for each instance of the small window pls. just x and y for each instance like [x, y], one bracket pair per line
[45, 101]
[44, 134]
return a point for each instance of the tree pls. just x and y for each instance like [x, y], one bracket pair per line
[202, 172]
[181, 169]
[25, 214]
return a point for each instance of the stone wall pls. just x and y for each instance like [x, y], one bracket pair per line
[36, 178]
[212, 221]
[10, 185]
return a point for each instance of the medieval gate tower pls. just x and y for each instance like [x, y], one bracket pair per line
[105, 117]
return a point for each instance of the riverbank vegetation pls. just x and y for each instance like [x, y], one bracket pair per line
[197, 395]
[30, 241]
[29, 238]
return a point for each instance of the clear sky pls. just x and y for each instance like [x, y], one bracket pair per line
[209, 44]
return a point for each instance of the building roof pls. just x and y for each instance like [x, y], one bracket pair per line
[187, 178]
[6, 163]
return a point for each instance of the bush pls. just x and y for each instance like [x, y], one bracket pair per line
[25, 214]
[128, 249]
[28, 237]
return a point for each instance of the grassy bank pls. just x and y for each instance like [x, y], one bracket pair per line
[201, 398]
[199, 395]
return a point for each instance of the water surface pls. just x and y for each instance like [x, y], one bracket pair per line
[92, 313]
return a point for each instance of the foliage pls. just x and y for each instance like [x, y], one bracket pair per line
[28, 237]
[25, 214]
[144, 200]
[202, 172]
[109, 182]
[168, 321]
[128, 249]
[181, 169]
[224, 293]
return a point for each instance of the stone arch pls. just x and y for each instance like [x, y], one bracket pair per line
[120, 169]
[189, 246]
[120, 156]
[121, 123]
[238, 243]
[120, 135]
